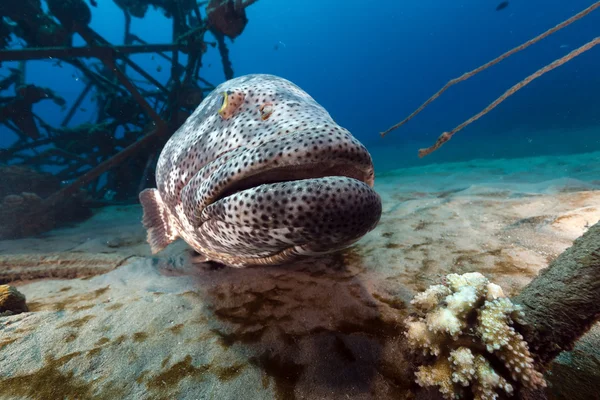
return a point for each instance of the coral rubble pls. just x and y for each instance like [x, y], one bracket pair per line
[466, 325]
[11, 301]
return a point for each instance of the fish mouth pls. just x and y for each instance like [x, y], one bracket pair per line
[288, 213]
[290, 198]
[298, 156]
[290, 173]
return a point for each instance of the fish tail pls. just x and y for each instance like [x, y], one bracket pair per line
[157, 221]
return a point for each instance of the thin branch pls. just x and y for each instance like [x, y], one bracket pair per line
[444, 137]
[96, 51]
[467, 75]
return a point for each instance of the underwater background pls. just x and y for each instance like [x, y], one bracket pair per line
[370, 65]
[483, 247]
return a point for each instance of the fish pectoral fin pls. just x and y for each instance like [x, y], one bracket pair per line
[203, 262]
[157, 221]
[198, 258]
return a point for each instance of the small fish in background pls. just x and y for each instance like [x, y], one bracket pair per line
[158, 68]
[564, 46]
[276, 47]
[502, 6]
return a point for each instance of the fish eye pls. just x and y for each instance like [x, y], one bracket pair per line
[224, 96]
[266, 110]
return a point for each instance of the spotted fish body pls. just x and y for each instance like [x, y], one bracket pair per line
[261, 174]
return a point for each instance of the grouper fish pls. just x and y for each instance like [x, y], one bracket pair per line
[260, 174]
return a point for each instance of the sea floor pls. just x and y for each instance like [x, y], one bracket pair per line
[108, 320]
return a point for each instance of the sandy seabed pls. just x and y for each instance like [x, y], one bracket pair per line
[108, 320]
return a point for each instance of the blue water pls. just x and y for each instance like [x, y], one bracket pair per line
[371, 65]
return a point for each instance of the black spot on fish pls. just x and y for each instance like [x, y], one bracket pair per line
[502, 6]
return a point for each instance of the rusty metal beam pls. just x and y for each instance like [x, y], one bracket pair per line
[104, 166]
[109, 61]
[84, 51]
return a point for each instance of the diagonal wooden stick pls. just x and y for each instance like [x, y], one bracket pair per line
[495, 61]
[444, 137]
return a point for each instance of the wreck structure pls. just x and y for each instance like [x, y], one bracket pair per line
[95, 165]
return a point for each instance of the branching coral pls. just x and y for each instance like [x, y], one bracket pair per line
[466, 325]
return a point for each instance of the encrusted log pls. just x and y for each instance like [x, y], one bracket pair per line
[59, 265]
[563, 302]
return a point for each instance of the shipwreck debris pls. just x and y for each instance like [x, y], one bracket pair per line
[114, 152]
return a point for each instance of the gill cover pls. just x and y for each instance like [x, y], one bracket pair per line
[232, 101]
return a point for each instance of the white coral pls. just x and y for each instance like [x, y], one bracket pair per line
[463, 301]
[463, 365]
[488, 381]
[430, 298]
[420, 337]
[444, 314]
[499, 336]
[445, 321]
[472, 279]
[438, 374]
[494, 292]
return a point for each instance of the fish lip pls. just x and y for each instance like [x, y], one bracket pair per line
[345, 200]
[302, 154]
[300, 172]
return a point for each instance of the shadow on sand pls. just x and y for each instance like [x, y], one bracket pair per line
[316, 329]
